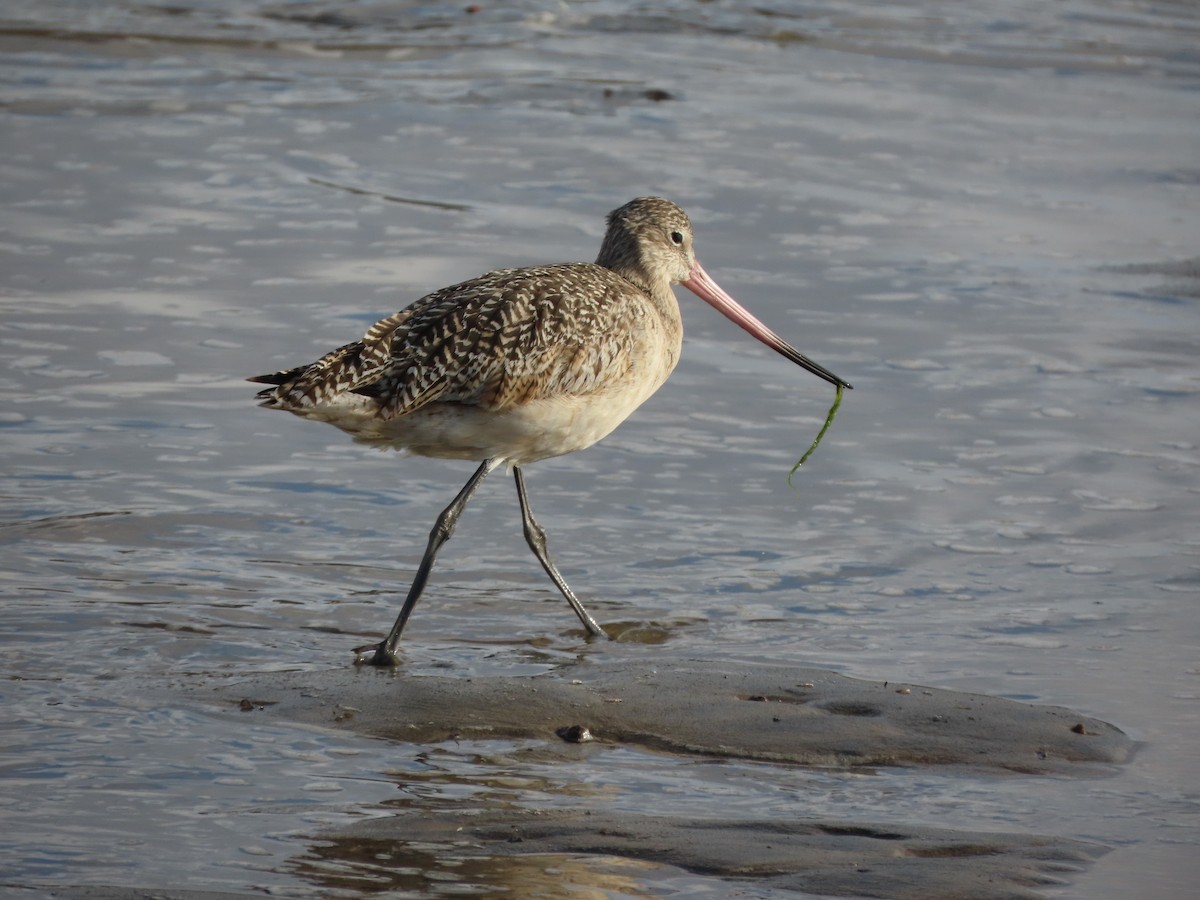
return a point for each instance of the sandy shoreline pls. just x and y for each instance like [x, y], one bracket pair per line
[787, 715]
[779, 714]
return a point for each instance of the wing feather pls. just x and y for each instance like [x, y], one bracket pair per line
[502, 339]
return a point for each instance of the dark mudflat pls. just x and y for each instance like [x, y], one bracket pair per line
[791, 715]
[783, 714]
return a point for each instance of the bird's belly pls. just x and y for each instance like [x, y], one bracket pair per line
[525, 433]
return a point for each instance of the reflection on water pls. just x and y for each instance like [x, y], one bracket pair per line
[983, 216]
[426, 869]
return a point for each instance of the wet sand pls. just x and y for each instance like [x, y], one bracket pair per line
[803, 716]
[795, 716]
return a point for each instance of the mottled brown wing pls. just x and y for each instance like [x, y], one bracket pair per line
[507, 338]
[350, 368]
[496, 341]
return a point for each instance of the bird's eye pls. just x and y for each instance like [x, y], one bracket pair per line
[676, 237]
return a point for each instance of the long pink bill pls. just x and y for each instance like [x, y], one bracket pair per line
[709, 291]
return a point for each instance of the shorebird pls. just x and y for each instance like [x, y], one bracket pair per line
[519, 365]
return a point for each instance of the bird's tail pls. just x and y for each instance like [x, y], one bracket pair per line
[346, 369]
[270, 396]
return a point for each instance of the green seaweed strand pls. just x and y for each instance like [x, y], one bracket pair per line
[837, 401]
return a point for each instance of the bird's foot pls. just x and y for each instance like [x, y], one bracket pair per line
[376, 655]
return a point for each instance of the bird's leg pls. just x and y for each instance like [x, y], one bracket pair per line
[385, 653]
[535, 536]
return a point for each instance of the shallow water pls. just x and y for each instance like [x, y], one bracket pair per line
[986, 220]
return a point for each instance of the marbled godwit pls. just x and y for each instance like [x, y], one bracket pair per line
[519, 365]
